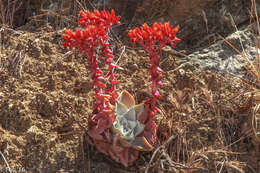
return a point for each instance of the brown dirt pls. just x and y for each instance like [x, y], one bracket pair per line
[46, 99]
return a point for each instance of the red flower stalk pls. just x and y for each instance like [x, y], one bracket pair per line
[92, 40]
[104, 20]
[88, 40]
[153, 39]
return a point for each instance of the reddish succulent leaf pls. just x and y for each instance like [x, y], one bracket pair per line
[159, 69]
[92, 132]
[157, 94]
[127, 99]
[115, 82]
[113, 65]
[150, 132]
[144, 115]
[157, 110]
[159, 83]
[100, 78]
[101, 84]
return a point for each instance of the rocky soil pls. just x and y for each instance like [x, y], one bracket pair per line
[46, 94]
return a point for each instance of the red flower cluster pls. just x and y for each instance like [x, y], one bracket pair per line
[153, 39]
[148, 36]
[97, 18]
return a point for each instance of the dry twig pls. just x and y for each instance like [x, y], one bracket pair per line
[6, 163]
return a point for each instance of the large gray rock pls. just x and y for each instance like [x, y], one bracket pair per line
[222, 58]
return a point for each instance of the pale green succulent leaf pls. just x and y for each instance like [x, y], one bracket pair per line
[121, 109]
[130, 114]
[130, 136]
[126, 127]
[116, 124]
[127, 99]
[139, 109]
[139, 128]
[132, 124]
[127, 121]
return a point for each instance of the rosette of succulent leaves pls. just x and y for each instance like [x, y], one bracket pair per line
[127, 123]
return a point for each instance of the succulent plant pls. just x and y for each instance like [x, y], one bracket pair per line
[118, 127]
[127, 123]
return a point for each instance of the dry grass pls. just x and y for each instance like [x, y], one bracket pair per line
[252, 75]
